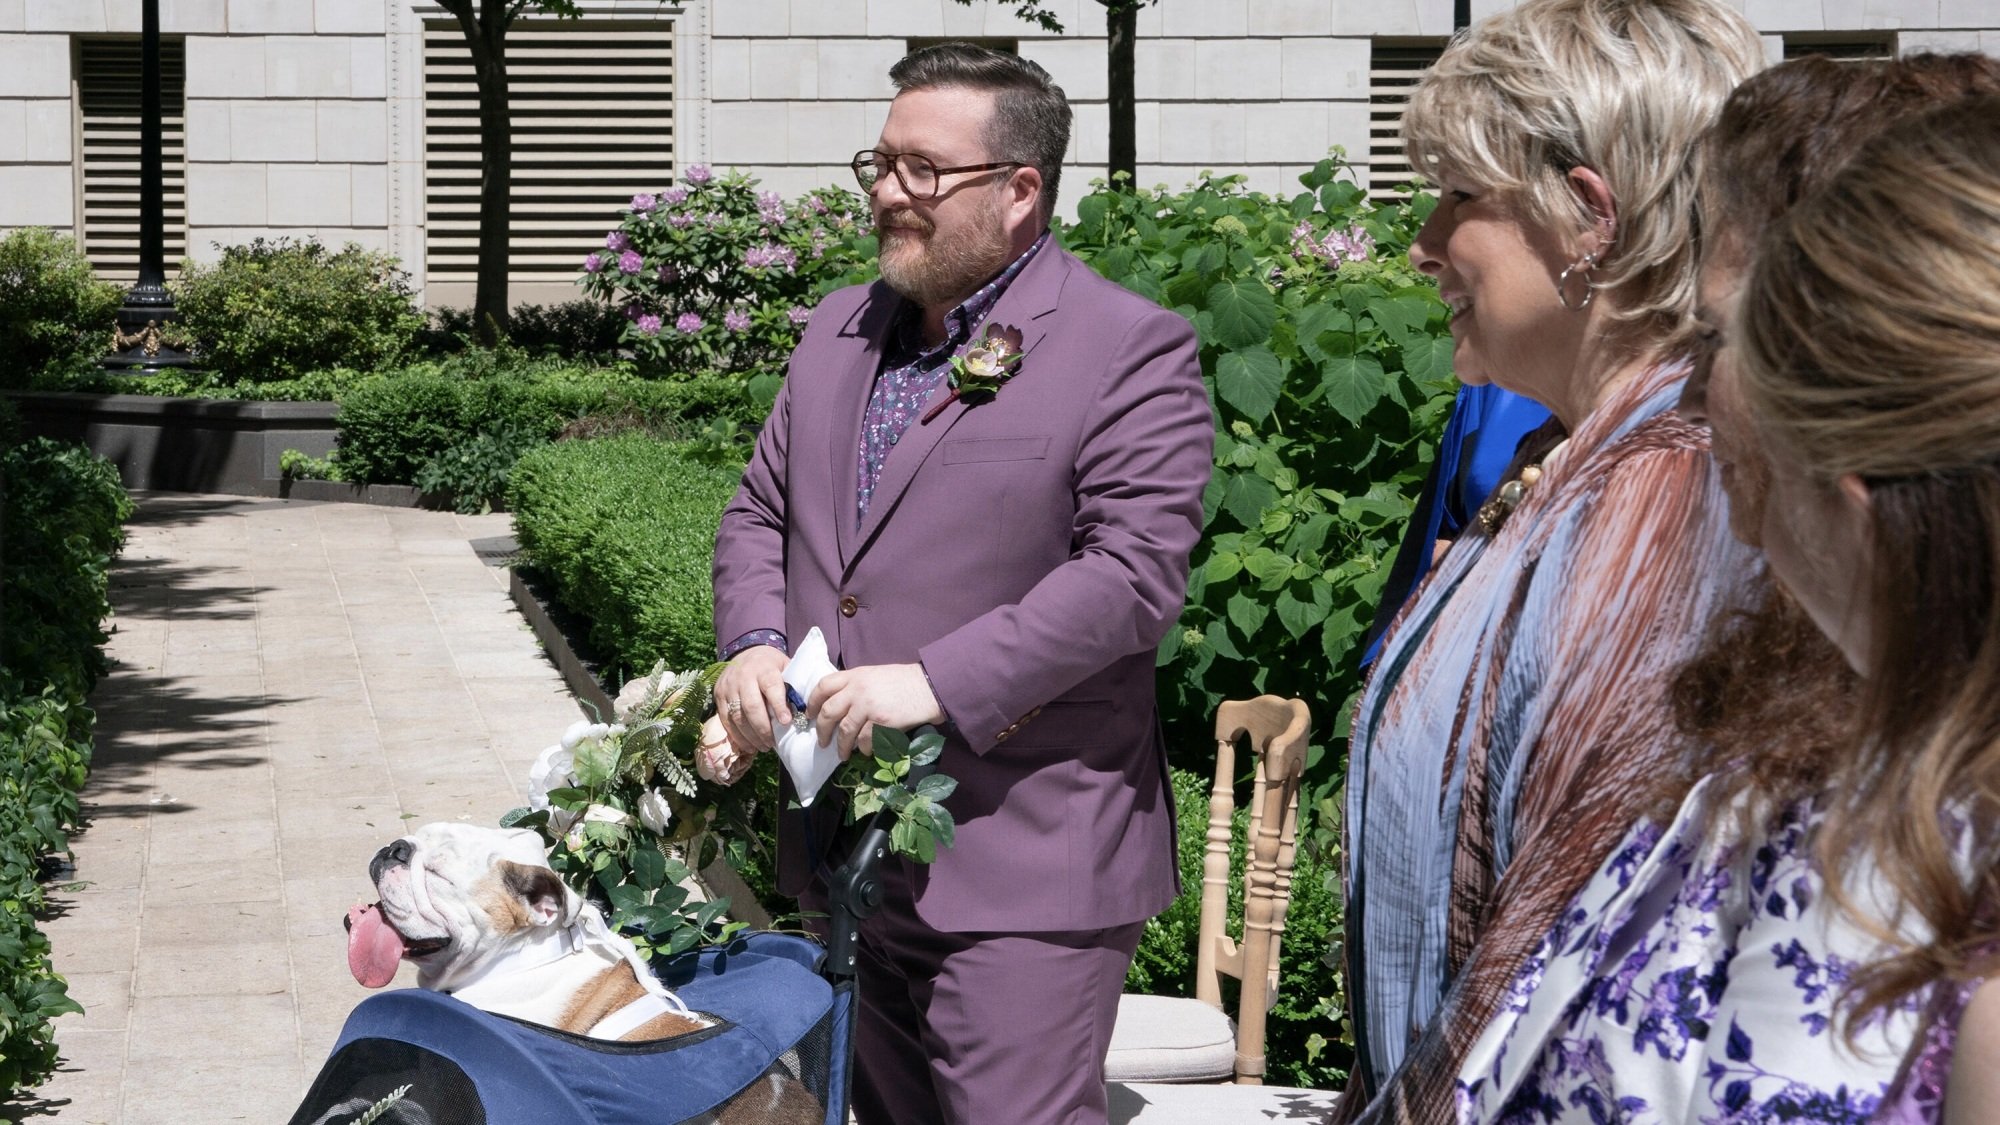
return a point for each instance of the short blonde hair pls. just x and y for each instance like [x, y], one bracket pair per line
[1626, 88]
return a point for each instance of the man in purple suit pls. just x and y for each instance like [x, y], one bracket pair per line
[1002, 563]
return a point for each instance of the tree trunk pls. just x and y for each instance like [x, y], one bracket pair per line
[1121, 25]
[496, 165]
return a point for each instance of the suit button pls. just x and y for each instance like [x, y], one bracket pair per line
[848, 606]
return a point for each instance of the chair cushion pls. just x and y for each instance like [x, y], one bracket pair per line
[1170, 1039]
[1148, 1103]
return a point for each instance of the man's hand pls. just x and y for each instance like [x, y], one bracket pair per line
[847, 705]
[750, 695]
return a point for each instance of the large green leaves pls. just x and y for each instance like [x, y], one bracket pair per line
[1243, 311]
[1330, 380]
[1250, 380]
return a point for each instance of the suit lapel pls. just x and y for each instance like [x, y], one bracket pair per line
[866, 335]
[1026, 304]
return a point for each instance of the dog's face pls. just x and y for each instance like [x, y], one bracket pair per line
[453, 897]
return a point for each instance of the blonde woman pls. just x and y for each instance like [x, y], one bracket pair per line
[1870, 337]
[1699, 976]
[1518, 716]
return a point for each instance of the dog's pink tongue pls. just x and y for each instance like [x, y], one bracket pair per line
[373, 947]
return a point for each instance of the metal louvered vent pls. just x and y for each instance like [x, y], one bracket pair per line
[1392, 73]
[593, 125]
[1846, 48]
[107, 86]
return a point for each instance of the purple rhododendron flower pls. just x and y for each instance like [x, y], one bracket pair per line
[649, 325]
[736, 320]
[1351, 245]
[632, 311]
[770, 207]
[680, 220]
[798, 315]
[644, 202]
[593, 263]
[616, 240]
[668, 274]
[674, 196]
[687, 322]
[698, 174]
[630, 262]
[771, 254]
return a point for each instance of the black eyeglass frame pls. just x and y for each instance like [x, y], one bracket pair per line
[869, 178]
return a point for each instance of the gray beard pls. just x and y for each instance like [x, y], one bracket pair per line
[939, 274]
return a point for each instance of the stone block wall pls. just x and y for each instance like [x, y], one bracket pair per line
[305, 117]
[1264, 87]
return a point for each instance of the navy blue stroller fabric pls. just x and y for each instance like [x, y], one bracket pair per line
[776, 1015]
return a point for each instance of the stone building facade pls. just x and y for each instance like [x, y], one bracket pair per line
[335, 119]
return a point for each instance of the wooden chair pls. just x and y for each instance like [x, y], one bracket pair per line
[1175, 1039]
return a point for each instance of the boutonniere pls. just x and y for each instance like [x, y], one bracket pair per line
[978, 372]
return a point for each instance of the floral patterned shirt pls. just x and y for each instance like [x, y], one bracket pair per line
[911, 372]
[1694, 980]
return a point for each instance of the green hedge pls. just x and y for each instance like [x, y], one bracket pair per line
[458, 426]
[1302, 1043]
[58, 315]
[61, 517]
[624, 527]
[277, 309]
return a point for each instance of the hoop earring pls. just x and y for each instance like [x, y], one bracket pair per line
[1584, 266]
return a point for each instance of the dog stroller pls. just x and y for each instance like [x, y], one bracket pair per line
[783, 1006]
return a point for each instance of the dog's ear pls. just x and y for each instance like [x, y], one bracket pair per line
[539, 890]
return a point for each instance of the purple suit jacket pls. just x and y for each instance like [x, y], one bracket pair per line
[1031, 550]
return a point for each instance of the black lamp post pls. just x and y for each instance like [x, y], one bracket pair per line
[138, 347]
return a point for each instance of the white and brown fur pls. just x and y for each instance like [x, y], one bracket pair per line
[488, 909]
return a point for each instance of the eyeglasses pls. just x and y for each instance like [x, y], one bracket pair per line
[918, 175]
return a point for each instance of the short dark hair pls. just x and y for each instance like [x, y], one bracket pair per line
[1031, 116]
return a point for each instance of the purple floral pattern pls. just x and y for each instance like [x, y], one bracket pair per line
[1694, 980]
[911, 372]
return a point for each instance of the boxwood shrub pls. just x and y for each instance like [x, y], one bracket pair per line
[276, 309]
[624, 529]
[58, 313]
[61, 519]
[393, 423]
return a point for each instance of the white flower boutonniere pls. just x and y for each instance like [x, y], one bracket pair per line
[982, 368]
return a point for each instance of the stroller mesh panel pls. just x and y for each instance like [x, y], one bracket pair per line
[404, 1084]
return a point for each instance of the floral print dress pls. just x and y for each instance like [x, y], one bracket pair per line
[1693, 980]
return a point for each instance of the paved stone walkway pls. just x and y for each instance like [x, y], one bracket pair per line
[293, 684]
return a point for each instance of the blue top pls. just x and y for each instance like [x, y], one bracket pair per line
[1486, 427]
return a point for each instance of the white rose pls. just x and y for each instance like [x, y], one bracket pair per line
[601, 814]
[552, 770]
[583, 730]
[605, 814]
[561, 821]
[654, 812]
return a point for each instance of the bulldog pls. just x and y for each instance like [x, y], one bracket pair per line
[484, 918]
